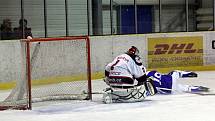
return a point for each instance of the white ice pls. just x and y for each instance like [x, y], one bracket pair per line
[178, 107]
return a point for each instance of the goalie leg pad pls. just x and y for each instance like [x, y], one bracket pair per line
[135, 94]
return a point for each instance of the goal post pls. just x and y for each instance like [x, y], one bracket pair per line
[52, 69]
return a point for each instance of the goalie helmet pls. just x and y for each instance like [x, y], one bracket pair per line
[133, 51]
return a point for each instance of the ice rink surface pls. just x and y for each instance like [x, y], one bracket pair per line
[177, 107]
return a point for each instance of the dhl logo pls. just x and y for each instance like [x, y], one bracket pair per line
[174, 49]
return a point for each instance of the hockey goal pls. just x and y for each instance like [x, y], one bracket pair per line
[51, 69]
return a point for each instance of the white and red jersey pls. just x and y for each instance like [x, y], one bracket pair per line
[124, 66]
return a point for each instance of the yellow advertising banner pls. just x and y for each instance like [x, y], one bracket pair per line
[175, 51]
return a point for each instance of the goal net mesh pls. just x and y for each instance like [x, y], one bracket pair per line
[51, 69]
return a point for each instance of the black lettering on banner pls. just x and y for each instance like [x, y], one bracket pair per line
[213, 44]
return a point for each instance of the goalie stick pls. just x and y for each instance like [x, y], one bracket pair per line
[84, 92]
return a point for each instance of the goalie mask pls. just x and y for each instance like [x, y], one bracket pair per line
[133, 51]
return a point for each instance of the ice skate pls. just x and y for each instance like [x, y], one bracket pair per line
[199, 89]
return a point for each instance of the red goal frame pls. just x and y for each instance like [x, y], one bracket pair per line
[27, 43]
